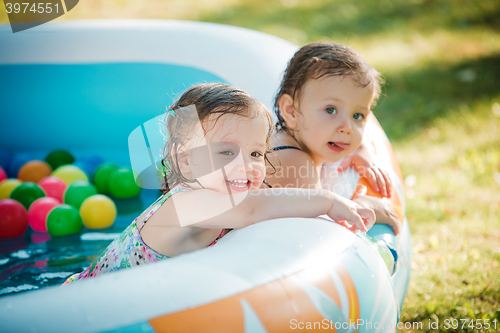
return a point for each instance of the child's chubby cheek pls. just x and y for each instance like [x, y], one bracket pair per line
[259, 174]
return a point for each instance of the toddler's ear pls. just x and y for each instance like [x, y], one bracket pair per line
[288, 111]
[184, 161]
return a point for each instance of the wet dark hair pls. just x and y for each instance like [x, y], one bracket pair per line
[319, 59]
[208, 98]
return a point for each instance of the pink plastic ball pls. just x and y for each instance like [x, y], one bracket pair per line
[38, 212]
[53, 187]
[3, 175]
[13, 219]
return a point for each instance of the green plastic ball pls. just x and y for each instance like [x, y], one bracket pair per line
[101, 177]
[122, 184]
[26, 193]
[64, 220]
[77, 192]
[59, 157]
[7, 186]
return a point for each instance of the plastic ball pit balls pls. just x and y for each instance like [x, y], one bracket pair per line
[59, 157]
[3, 175]
[53, 187]
[34, 171]
[101, 177]
[7, 186]
[122, 184]
[98, 212]
[77, 192]
[38, 212]
[13, 219]
[26, 193]
[64, 220]
[69, 173]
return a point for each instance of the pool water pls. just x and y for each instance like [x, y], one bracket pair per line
[38, 260]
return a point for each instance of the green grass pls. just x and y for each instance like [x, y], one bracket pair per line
[441, 110]
[453, 215]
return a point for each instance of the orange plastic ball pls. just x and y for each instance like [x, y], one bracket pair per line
[34, 171]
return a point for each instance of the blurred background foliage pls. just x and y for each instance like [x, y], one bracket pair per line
[440, 108]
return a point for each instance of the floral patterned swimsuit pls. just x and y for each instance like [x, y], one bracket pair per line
[129, 249]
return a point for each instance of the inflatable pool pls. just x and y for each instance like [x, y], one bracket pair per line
[86, 86]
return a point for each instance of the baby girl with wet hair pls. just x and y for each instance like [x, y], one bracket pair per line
[323, 104]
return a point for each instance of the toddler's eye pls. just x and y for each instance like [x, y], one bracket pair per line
[331, 110]
[358, 116]
[257, 154]
[226, 152]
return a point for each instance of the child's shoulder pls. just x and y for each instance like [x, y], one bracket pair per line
[161, 201]
[288, 151]
[294, 167]
[288, 157]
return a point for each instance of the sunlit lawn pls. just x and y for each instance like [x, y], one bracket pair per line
[441, 110]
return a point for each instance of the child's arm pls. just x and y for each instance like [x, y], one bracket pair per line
[212, 210]
[364, 161]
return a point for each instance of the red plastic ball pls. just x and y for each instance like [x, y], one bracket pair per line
[13, 219]
[38, 212]
[53, 187]
[3, 175]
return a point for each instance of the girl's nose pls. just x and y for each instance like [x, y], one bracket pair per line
[247, 165]
[242, 164]
[345, 126]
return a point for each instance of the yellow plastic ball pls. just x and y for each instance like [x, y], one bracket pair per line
[69, 173]
[98, 212]
[7, 186]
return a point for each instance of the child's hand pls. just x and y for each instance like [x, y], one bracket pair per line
[383, 209]
[364, 161]
[347, 210]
